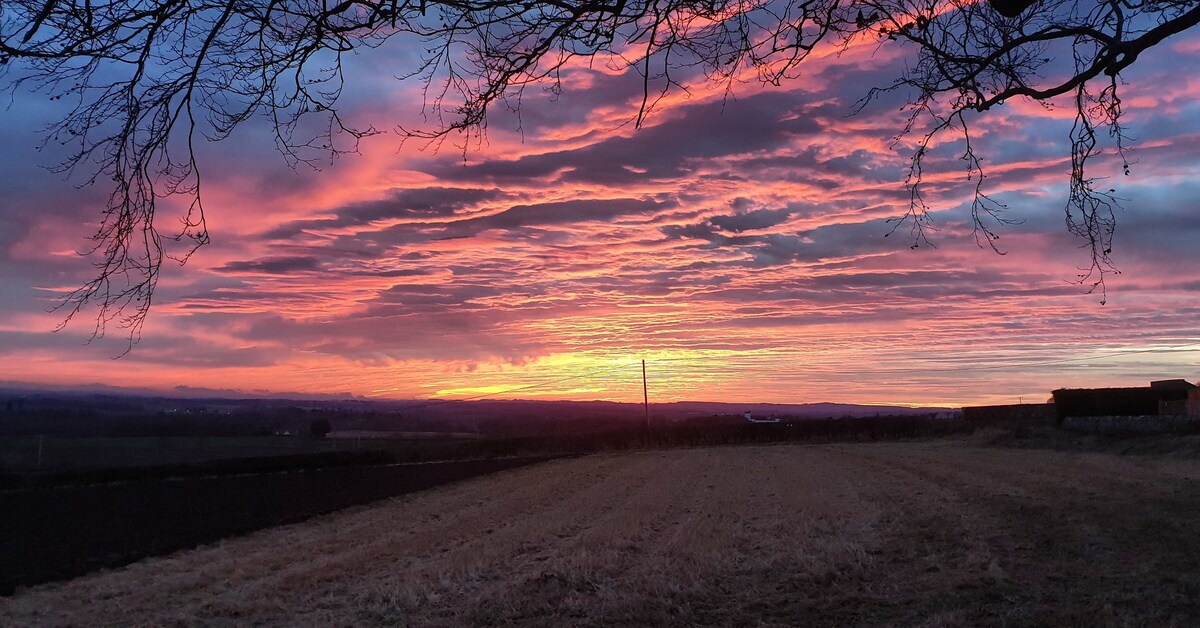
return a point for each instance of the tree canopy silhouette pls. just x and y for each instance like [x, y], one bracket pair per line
[147, 79]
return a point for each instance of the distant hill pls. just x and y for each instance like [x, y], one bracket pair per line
[106, 411]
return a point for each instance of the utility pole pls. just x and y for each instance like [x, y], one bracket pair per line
[645, 396]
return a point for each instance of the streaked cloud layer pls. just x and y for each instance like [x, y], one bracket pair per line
[738, 244]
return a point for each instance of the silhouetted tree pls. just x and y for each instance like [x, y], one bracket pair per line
[147, 77]
[320, 428]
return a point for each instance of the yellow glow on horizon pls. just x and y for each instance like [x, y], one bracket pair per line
[476, 390]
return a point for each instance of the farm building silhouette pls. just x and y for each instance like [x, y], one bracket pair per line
[1163, 397]
[1168, 397]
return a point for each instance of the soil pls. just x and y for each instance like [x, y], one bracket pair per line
[936, 533]
[53, 533]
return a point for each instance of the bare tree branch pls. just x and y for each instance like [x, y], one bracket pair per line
[147, 78]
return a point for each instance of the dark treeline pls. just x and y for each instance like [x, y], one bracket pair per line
[66, 417]
[82, 414]
[705, 432]
[722, 430]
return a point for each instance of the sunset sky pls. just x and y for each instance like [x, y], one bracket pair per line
[736, 243]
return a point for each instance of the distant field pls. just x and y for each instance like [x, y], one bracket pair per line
[21, 453]
[31, 453]
[930, 533]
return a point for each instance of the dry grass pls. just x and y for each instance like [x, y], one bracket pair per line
[936, 534]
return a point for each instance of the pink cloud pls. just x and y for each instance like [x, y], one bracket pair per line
[738, 245]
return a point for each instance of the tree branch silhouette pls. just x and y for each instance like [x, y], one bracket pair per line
[149, 79]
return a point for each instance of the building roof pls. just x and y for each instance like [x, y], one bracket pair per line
[1173, 384]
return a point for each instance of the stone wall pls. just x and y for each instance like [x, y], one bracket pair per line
[1133, 424]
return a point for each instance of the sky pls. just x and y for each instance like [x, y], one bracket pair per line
[735, 242]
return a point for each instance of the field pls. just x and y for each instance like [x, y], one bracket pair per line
[52, 533]
[936, 533]
[32, 453]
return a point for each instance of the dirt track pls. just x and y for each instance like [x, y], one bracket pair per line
[913, 534]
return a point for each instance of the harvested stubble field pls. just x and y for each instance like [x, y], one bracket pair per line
[927, 533]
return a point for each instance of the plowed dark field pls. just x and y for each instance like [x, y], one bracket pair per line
[914, 534]
[60, 532]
